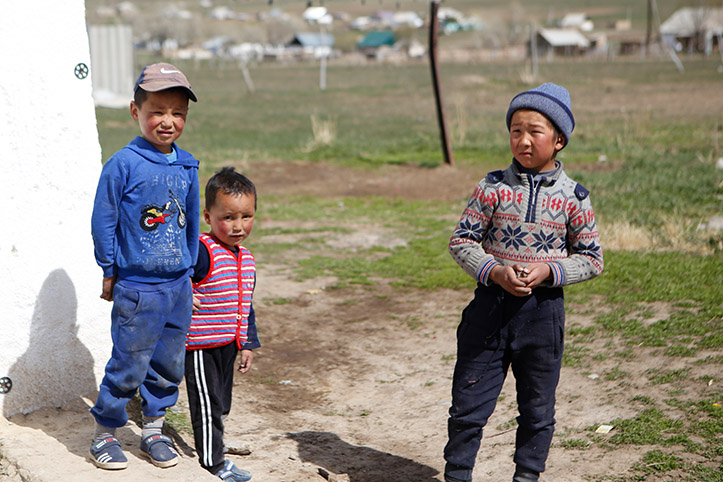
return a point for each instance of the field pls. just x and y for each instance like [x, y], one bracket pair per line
[357, 299]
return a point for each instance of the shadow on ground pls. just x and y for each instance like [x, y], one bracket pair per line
[362, 464]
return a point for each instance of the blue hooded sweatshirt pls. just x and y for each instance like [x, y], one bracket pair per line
[146, 214]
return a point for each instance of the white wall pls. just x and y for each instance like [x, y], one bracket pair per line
[54, 329]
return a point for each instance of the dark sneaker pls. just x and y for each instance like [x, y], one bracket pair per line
[232, 473]
[523, 474]
[107, 454]
[449, 478]
[159, 449]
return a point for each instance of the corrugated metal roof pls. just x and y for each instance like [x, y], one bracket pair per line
[313, 40]
[687, 21]
[560, 37]
[376, 39]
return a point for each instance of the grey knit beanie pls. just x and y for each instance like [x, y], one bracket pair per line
[549, 99]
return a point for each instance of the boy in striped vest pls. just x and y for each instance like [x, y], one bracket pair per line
[223, 321]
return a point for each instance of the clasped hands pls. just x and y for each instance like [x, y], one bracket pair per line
[520, 280]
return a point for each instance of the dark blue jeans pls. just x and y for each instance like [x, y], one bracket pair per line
[149, 323]
[497, 331]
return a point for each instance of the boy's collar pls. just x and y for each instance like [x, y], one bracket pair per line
[149, 151]
[551, 173]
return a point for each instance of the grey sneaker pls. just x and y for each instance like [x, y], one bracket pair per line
[231, 473]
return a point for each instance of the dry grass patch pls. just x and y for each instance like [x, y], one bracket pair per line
[674, 235]
[623, 236]
[324, 130]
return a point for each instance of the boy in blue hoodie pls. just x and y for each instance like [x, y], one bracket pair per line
[145, 230]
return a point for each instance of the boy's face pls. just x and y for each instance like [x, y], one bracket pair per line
[162, 117]
[231, 218]
[533, 140]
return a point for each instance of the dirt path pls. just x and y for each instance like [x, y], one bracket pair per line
[352, 381]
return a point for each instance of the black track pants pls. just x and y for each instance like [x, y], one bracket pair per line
[209, 381]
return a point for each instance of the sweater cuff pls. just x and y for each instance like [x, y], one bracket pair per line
[558, 275]
[484, 272]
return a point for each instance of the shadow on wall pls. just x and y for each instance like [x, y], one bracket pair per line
[57, 367]
[362, 464]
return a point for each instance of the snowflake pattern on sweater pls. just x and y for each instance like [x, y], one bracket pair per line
[512, 218]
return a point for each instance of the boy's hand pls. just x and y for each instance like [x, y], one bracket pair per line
[247, 359]
[507, 277]
[196, 303]
[534, 274]
[108, 284]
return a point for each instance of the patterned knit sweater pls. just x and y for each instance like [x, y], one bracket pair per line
[225, 294]
[513, 218]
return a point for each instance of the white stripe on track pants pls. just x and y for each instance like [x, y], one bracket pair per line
[209, 382]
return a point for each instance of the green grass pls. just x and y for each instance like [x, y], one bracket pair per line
[650, 427]
[385, 114]
[575, 444]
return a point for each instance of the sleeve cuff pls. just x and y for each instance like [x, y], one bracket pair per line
[558, 275]
[251, 345]
[484, 272]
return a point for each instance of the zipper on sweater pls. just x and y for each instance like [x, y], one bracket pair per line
[532, 203]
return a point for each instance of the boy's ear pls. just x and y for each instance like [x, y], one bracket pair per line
[560, 142]
[206, 216]
[134, 111]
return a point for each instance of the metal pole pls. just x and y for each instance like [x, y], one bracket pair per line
[433, 33]
[247, 76]
[322, 74]
[322, 67]
[533, 50]
[649, 27]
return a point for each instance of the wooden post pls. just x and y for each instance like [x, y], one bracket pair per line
[433, 33]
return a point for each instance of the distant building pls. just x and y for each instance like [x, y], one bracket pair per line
[314, 45]
[557, 41]
[578, 21]
[373, 41]
[694, 29]
[625, 42]
[317, 15]
[361, 23]
[407, 19]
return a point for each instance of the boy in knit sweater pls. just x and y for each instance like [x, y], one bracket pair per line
[145, 230]
[527, 231]
[224, 321]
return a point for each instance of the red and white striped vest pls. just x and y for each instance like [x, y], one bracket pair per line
[225, 294]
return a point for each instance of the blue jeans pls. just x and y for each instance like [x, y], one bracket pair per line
[497, 331]
[149, 323]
